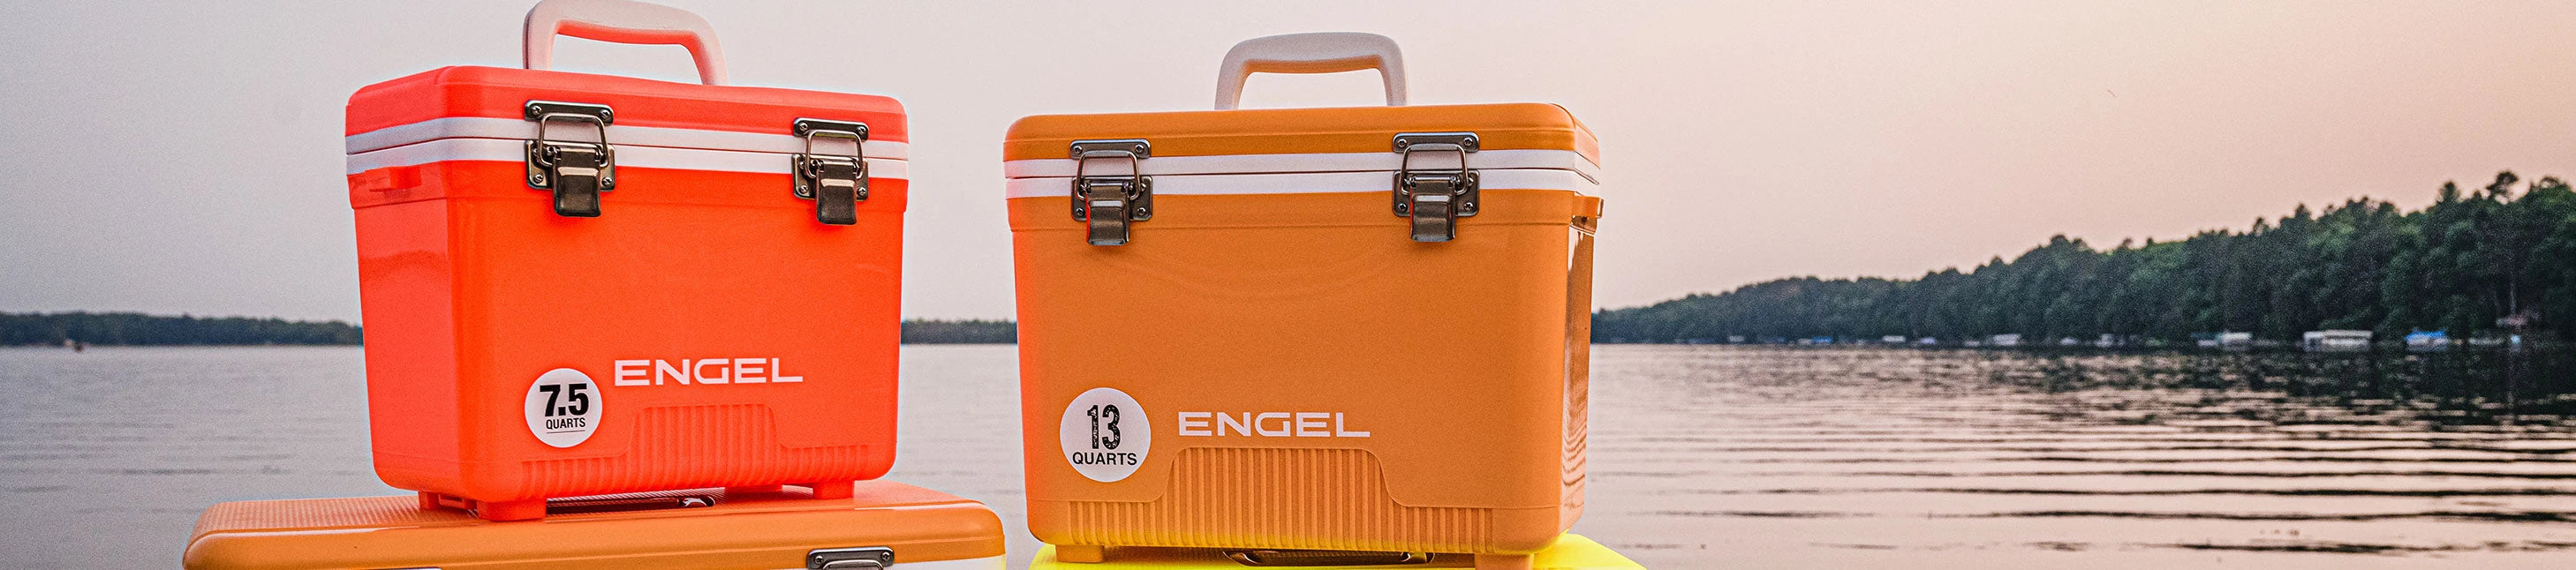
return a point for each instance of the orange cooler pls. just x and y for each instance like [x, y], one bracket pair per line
[581, 284]
[1358, 329]
[886, 525]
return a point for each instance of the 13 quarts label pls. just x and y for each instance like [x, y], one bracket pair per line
[1105, 435]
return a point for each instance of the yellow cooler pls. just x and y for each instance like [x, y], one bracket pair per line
[1350, 329]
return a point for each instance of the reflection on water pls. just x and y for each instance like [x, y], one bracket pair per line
[1770, 457]
[1702, 457]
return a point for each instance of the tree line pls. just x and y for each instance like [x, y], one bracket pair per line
[924, 331]
[138, 329]
[2473, 262]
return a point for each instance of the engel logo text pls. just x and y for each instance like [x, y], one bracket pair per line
[1266, 424]
[702, 371]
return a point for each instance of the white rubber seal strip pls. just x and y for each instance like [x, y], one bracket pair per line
[498, 128]
[1314, 182]
[505, 150]
[1386, 162]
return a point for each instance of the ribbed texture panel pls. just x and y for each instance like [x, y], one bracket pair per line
[1577, 425]
[369, 512]
[1318, 499]
[1578, 428]
[1578, 369]
[681, 447]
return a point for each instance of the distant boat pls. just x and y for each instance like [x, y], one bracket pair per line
[1892, 339]
[2236, 340]
[2335, 341]
[2428, 341]
[2004, 340]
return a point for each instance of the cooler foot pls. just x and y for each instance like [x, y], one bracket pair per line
[1502, 562]
[526, 510]
[835, 490]
[1082, 553]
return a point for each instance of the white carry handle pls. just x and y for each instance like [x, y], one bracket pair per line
[625, 22]
[1321, 52]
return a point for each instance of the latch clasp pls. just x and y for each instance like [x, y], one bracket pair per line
[576, 171]
[1435, 198]
[849, 558]
[1109, 203]
[835, 183]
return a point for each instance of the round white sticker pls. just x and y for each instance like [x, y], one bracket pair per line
[563, 407]
[1105, 434]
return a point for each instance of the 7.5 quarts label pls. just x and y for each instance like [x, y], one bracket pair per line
[1105, 434]
[563, 407]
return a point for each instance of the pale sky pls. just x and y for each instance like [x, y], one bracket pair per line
[186, 156]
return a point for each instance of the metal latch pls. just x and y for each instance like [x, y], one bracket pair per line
[1435, 198]
[1109, 203]
[838, 558]
[835, 183]
[1325, 558]
[576, 171]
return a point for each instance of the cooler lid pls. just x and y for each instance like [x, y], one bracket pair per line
[474, 102]
[575, 131]
[1346, 139]
[1434, 163]
[1353, 139]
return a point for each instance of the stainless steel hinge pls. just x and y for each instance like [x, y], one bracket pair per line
[1435, 198]
[1325, 558]
[836, 184]
[1109, 203]
[576, 171]
[841, 558]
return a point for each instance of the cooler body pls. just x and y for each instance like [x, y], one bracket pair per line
[1360, 329]
[579, 284]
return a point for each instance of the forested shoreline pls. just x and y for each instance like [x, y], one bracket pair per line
[138, 329]
[2459, 266]
[972, 331]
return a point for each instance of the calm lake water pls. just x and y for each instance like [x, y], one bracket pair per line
[1702, 457]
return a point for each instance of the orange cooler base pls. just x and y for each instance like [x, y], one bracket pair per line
[701, 529]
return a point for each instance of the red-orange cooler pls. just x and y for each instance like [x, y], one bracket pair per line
[581, 284]
[1344, 329]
